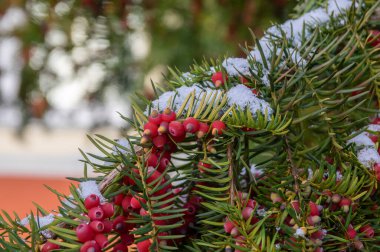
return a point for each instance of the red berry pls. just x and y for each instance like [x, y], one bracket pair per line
[235, 232]
[190, 209]
[375, 42]
[254, 91]
[126, 204]
[336, 198]
[296, 205]
[160, 141]
[217, 127]
[202, 165]
[251, 203]
[143, 212]
[136, 202]
[152, 160]
[319, 234]
[313, 209]
[374, 138]
[191, 125]
[97, 226]
[101, 240]
[318, 249]
[217, 79]
[203, 130]
[243, 80]
[84, 233]
[127, 239]
[150, 129]
[90, 246]
[48, 246]
[91, 201]
[179, 139]
[120, 247]
[108, 210]
[152, 175]
[176, 129]
[368, 231]
[345, 204]
[107, 226]
[118, 199]
[247, 213]
[155, 117]
[164, 162]
[96, 213]
[228, 226]
[120, 225]
[168, 115]
[376, 120]
[144, 246]
[164, 128]
[351, 233]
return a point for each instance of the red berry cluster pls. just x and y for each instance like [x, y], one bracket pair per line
[94, 234]
[163, 131]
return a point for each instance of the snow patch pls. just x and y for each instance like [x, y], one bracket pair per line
[90, 187]
[368, 157]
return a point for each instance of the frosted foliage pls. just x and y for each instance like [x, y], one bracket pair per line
[293, 29]
[236, 66]
[90, 187]
[243, 97]
[368, 157]
[175, 99]
[361, 140]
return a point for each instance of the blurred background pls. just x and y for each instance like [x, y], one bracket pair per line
[67, 67]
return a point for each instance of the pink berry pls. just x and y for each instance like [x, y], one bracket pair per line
[118, 199]
[143, 212]
[374, 138]
[101, 240]
[126, 204]
[91, 201]
[150, 129]
[120, 247]
[164, 128]
[203, 130]
[296, 205]
[48, 246]
[107, 226]
[96, 213]
[217, 127]
[108, 209]
[202, 165]
[160, 141]
[84, 233]
[120, 225]
[90, 246]
[345, 204]
[168, 115]
[375, 42]
[313, 208]
[247, 213]
[97, 226]
[152, 160]
[376, 120]
[368, 231]
[351, 233]
[251, 203]
[228, 226]
[127, 238]
[176, 129]
[155, 117]
[217, 79]
[136, 202]
[144, 246]
[164, 162]
[191, 125]
[235, 232]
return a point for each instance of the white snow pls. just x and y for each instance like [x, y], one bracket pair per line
[41, 221]
[368, 157]
[13, 18]
[361, 140]
[374, 127]
[255, 171]
[90, 187]
[242, 96]
[236, 66]
[292, 30]
[299, 232]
